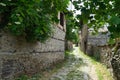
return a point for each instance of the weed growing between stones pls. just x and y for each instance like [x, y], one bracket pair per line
[25, 77]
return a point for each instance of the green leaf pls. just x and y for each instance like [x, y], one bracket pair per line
[111, 41]
[115, 20]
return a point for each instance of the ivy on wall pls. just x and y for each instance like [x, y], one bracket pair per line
[32, 19]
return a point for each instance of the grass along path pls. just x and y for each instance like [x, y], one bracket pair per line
[102, 72]
[79, 67]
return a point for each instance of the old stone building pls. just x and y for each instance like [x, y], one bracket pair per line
[20, 57]
[95, 41]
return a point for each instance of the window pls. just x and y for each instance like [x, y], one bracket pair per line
[62, 19]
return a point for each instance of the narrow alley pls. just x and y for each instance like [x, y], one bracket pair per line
[78, 67]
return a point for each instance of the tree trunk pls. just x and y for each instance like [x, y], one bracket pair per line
[83, 41]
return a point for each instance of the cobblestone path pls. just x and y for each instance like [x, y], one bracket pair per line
[77, 68]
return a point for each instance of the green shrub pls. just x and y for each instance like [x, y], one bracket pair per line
[31, 19]
[23, 77]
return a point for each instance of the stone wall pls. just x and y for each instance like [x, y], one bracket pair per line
[101, 53]
[106, 55]
[98, 47]
[100, 50]
[20, 57]
[98, 40]
[95, 44]
[115, 62]
[111, 60]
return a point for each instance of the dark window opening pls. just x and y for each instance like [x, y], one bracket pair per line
[61, 19]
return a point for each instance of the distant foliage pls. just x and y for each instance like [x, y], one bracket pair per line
[72, 28]
[31, 19]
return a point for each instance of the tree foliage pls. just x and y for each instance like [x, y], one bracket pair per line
[96, 13]
[31, 19]
[72, 28]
